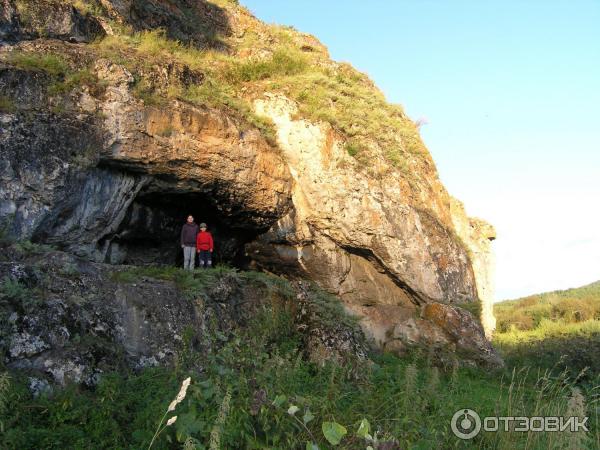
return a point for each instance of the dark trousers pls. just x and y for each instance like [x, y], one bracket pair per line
[205, 258]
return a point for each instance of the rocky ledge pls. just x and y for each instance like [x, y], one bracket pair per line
[65, 319]
[104, 174]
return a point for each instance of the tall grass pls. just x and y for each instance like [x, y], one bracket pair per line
[243, 399]
[566, 306]
[256, 389]
[575, 345]
[52, 64]
[560, 325]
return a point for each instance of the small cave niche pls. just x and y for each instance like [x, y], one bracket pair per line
[150, 231]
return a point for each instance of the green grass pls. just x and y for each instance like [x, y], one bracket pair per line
[336, 93]
[251, 378]
[567, 306]
[32, 248]
[52, 64]
[63, 78]
[325, 91]
[350, 102]
[573, 346]
[33, 13]
[223, 74]
[283, 62]
[405, 400]
[75, 79]
[13, 290]
[560, 326]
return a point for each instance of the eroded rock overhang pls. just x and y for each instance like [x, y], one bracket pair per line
[386, 245]
[114, 180]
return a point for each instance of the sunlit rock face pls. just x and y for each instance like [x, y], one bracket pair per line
[110, 178]
[478, 235]
[368, 239]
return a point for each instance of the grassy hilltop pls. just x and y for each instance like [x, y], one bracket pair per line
[240, 58]
[551, 326]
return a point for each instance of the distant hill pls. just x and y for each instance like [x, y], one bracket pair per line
[567, 306]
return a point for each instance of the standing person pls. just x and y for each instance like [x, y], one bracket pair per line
[188, 242]
[204, 245]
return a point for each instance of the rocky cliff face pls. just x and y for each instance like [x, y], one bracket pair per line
[94, 164]
[477, 235]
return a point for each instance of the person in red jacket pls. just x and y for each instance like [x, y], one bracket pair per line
[204, 246]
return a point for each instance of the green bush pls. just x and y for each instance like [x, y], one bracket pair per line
[13, 290]
[283, 62]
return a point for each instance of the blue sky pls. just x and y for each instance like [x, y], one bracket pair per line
[511, 94]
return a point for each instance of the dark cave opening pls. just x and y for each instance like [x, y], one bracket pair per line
[150, 231]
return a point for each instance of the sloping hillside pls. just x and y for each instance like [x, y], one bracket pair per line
[557, 330]
[565, 306]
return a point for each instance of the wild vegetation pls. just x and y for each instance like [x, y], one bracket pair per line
[567, 306]
[257, 389]
[335, 93]
[560, 327]
[244, 67]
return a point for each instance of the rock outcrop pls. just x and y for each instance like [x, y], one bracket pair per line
[105, 173]
[362, 238]
[48, 19]
[477, 235]
[67, 319]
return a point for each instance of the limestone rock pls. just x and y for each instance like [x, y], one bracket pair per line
[101, 178]
[326, 340]
[110, 176]
[477, 236]
[193, 22]
[365, 239]
[9, 21]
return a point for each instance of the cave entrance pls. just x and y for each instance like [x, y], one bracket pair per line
[150, 231]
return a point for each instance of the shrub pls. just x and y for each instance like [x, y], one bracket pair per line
[352, 148]
[13, 290]
[83, 77]
[283, 62]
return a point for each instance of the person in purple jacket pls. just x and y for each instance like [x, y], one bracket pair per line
[188, 243]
